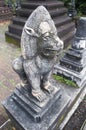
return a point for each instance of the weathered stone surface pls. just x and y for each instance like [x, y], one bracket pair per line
[58, 12]
[27, 113]
[55, 119]
[81, 30]
[5, 12]
[73, 63]
[36, 110]
[37, 96]
[40, 46]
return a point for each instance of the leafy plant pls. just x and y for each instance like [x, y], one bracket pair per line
[80, 6]
[13, 4]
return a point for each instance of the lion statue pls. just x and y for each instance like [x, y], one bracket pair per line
[40, 47]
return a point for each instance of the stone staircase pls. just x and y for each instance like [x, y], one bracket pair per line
[5, 13]
[58, 12]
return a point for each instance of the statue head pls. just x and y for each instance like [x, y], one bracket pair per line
[41, 33]
[39, 45]
[48, 43]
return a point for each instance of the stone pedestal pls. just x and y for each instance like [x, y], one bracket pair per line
[40, 103]
[58, 12]
[73, 64]
[5, 13]
[27, 113]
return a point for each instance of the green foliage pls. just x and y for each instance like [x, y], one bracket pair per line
[66, 2]
[85, 97]
[80, 6]
[65, 81]
[13, 4]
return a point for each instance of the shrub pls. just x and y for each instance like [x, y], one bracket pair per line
[13, 4]
[79, 4]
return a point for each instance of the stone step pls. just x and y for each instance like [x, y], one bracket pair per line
[6, 16]
[15, 29]
[2, 3]
[70, 64]
[61, 20]
[3, 10]
[66, 28]
[56, 9]
[53, 13]
[68, 38]
[58, 21]
[50, 5]
[5, 13]
[62, 30]
[19, 20]
[13, 36]
[40, 0]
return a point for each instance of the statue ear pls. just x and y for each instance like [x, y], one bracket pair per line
[30, 31]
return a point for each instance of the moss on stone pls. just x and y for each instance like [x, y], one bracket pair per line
[12, 40]
[60, 121]
[65, 81]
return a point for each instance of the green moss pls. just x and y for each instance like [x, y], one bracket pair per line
[12, 40]
[85, 97]
[12, 82]
[60, 121]
[65, 81]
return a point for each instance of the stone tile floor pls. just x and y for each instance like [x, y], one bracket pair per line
[8, 78]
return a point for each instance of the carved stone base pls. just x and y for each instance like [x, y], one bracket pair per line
[78, 77]
[27, 113]
[73, 66]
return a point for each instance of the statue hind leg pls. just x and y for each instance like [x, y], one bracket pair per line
[18, 68]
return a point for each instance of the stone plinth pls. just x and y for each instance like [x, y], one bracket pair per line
[58, 12]
[73, 64]
[55, 119]
[26, 113]
[5, 13]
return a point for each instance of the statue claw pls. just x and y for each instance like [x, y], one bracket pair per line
[40, 96]
[23, 84]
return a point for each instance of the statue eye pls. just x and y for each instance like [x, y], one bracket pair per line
[45, 38]
[30, 31]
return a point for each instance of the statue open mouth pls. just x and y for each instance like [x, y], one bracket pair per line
[49, 52]
[53, 50]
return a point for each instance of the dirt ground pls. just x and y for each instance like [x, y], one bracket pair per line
[8, 78]
[77, 118]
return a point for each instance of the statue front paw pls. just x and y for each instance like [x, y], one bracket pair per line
[39, 95]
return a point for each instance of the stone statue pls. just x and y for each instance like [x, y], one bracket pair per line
[40, 47]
